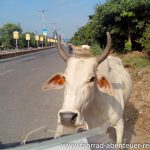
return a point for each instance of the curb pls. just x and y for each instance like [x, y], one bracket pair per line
[14, 54]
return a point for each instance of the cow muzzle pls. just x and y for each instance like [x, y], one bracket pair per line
[68, 118]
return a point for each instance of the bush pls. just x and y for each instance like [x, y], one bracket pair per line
[96, 49]
[145, 40]
[127, 47]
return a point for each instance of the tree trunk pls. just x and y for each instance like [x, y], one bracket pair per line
[129, 33]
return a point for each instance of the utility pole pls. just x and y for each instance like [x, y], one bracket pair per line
[44, 25]
[54, 24]
[43, 17]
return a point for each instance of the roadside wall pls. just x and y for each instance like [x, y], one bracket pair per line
[23, 52]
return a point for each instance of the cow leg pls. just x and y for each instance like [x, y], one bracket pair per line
[119, 131]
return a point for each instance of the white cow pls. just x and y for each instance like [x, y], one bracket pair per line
[85, 47]
[96, 89]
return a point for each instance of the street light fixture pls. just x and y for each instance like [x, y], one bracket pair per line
[28, 39]
[41, 40]
[48, 41]
[37, 38]
[55, 39]
[45, 38]
[16, 37]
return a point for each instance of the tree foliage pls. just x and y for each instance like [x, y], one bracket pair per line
[24, 42]
[6, 36]
[7, 41]
[125, 19]
[145, 40]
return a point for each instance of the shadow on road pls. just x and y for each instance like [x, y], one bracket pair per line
[130, 118]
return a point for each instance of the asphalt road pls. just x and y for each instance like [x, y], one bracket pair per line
[23, 105]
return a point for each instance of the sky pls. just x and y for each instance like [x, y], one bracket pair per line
[66, 16]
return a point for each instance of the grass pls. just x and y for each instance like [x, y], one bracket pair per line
[137, 61]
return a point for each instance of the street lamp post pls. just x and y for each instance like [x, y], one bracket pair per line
[41, 40]
[37, 40]
[45, 40]
[49, 42]
[28, 39]
[55, 39]
[52, 42]
[43, 16]
[16, 37]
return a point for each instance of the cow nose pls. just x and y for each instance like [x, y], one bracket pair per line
[68, 118]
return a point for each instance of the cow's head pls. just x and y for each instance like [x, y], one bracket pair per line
[80, 81]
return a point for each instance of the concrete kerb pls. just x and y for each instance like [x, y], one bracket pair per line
[13, 54]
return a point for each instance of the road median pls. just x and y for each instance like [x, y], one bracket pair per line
[23, 52]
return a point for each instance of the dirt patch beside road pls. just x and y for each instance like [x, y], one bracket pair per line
[137, 111]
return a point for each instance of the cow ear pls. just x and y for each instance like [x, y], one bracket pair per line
[104, 85]
[55, 82]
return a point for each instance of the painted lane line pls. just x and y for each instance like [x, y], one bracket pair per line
[6, 72]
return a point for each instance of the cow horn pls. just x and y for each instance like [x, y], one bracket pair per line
[107, 49]
[61, 51]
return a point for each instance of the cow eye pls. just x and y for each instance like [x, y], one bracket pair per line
[92, 79]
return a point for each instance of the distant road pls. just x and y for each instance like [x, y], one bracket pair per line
[23, 105]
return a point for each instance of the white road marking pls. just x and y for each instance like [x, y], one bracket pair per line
[6, 72]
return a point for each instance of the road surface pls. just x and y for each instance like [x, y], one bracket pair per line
[23, 105]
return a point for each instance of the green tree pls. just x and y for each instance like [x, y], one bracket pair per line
[145, 40]
[84, 36]
[125, 19]
[24, 43]
[6, 35]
